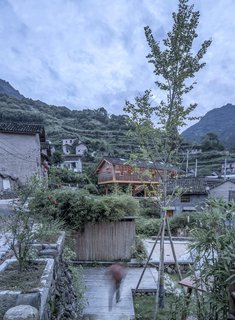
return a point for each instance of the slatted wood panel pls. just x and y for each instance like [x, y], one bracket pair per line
[106, 241]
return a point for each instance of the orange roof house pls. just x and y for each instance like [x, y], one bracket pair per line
[137, 174]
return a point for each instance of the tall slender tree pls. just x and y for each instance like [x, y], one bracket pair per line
[156, 126]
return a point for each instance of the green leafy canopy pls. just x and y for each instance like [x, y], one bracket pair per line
[175, 65]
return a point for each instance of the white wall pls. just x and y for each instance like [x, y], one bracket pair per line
[20, 155]
[222, 191]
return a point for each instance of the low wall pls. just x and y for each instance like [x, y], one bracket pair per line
[37, 297]
[55, 298]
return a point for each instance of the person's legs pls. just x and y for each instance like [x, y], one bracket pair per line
[118, 291]
[111, 294]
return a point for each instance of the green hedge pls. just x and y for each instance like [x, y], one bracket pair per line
[76, 208]
[149, 208]
[147, 227]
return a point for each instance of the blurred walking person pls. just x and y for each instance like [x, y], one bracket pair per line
[117, 272]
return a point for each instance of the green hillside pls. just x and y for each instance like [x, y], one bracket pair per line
[220, 121]
[102, 133]
[106, 134]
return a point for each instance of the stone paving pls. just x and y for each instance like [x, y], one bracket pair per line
[98, 284]
[4, 247]
[181, 250]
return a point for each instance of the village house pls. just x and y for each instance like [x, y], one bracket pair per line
[186, 194]
[137, 174]
[224, 189]
[228, 168]
[20, 153]
[73, 150]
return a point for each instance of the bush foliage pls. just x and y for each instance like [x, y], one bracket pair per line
[147, 227]
[183, 220]
[76, 208]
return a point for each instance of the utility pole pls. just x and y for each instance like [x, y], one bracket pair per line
[195, 173]
[187, 156]
[225, 166]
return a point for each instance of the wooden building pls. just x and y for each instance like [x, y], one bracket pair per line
[137, 174]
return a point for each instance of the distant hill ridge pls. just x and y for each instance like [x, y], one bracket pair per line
[107, 133]
[220, 121]
[6, 88]
[103, 134]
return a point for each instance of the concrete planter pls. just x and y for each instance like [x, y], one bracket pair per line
[37, 297]
[51, 250]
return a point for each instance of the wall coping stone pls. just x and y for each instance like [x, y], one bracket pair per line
[22, 312]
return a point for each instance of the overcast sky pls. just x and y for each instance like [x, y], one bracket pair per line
[92, 53]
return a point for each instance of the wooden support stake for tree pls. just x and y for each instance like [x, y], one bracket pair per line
[160, 285]
[173, 249]
[149, 257]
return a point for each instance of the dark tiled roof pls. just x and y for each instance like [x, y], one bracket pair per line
[20, 127]
[140, 163]
[190, 185]
[71, 158]
[213, 183]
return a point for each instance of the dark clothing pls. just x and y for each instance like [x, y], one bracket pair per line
[117, 274]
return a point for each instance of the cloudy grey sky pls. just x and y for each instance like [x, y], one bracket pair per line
[91, 53]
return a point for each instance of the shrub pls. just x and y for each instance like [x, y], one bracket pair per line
[147, 227]
[91, 188]
[183, 220]
[139, 251]
[76, 208]
[149, 208]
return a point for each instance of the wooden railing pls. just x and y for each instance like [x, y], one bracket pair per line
[105, 177]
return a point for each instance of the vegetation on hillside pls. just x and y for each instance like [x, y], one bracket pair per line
[219, 121]
[102, 133]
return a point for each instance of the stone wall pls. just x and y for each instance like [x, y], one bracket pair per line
[55, 299]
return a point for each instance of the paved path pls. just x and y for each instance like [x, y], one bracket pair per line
[98, 284]
[181, 250]
[5, 210]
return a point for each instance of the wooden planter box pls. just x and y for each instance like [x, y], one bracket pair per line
[106, 241]
[37, 297]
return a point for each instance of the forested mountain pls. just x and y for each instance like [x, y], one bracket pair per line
[106, 134]
[7, 89]
[102, 133]
[220, 121]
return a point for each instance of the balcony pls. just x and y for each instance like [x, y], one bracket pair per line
[126, 178]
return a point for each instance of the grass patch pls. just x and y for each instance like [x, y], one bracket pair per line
[145, 305]
[49, 238]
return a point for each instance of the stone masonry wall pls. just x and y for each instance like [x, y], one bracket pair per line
[59, 300]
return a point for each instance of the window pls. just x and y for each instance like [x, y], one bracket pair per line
[170, 213]
[6, 184]
[185, 198]
[231, 195]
